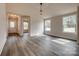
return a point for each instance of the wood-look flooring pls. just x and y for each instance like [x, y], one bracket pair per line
[39, 46]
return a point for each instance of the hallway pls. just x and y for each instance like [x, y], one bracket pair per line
[39, 46]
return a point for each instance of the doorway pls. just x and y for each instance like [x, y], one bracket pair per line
[18, 24]
[26, 24]
[12, 24]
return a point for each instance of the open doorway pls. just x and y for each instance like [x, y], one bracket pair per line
[13, 24]
[18, 24]
[26, 25]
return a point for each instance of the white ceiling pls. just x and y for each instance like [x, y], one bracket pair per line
[49, 9]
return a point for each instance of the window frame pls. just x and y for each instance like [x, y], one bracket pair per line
[12, 24]
[44, 25]
[24, 25]
[75, 26]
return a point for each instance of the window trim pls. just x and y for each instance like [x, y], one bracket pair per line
[75, 27]
[44, 25]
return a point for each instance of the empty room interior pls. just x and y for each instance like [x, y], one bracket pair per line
[39, 29]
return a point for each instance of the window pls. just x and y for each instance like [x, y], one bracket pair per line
[47, 25]
[25, 25]
[12, 24]
[69, 23]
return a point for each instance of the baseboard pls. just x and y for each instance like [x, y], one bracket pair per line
[60, 37]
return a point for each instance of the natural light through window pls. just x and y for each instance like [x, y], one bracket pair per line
[47, 25]
[69, 23]
[25, 25]
[12, 24]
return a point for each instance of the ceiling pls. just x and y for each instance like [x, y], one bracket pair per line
[49, 9]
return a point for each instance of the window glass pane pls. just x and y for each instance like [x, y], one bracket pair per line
[12, 24]
[69, 23]
[47, 25]
[25, 25]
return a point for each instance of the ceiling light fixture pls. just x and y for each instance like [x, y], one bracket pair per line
[41, 8]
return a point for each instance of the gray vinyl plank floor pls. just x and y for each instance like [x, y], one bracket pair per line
[39, 46]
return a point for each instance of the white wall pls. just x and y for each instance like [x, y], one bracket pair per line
[37, 27]
[20, 27]
[3, 26]
[57, 28]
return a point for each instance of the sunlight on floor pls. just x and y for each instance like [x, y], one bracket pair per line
[64, 40]
[60, 42]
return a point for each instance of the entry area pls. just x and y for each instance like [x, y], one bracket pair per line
[17, 24]
[13, 24]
